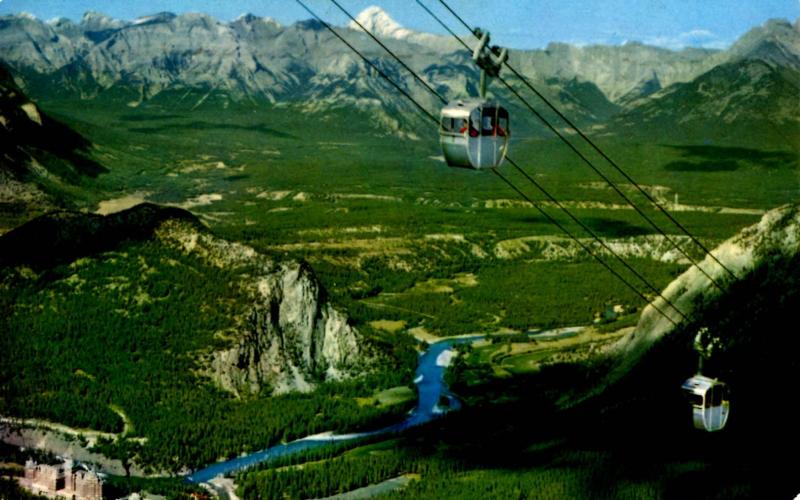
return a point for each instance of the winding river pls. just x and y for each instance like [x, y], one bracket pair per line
[431, 388]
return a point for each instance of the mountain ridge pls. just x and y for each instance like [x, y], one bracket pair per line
[257, 59]
[747, 102]
[100, 28]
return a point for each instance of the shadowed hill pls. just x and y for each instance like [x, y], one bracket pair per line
[753, 325]
[27, 134]
[41, 160]
[62, 237]
[768, 249]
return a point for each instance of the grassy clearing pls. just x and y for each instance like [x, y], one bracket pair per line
[389, 397]
[160, 145]
[519, 296]
[388, 325]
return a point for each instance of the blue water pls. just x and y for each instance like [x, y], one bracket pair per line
[431, 387]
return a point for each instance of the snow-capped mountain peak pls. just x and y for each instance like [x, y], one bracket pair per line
[379, 23]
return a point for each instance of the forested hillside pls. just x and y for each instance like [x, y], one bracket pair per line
[117, 337]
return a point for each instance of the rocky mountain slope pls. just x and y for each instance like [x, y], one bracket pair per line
[618, 71]
[259, 57]
[777, 42]
[250, 58]
[746, 102]
[285, 337]
[766, 248]
[39, 156]
[752, 97]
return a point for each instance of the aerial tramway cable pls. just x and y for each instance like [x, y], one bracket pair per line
[595, 237]
[583, 157]
[387, 49]
[517, 190]
[553, 199]
[525, 174]
[373, 65]
[709, 396]
[589, 251]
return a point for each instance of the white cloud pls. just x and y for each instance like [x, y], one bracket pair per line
[697, 37]
[693, 38]
[696, 34]
[719, 45]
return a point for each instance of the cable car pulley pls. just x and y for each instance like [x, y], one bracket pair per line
[474, 132]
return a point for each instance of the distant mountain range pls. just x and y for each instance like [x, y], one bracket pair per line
[630, 89]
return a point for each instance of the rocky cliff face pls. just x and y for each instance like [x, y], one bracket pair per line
[748, 98]
[289, 338]
[775, 237]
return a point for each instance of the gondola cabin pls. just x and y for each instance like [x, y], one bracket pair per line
[710, 404]
[474, 134]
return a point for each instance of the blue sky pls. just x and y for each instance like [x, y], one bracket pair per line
[514, 23]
